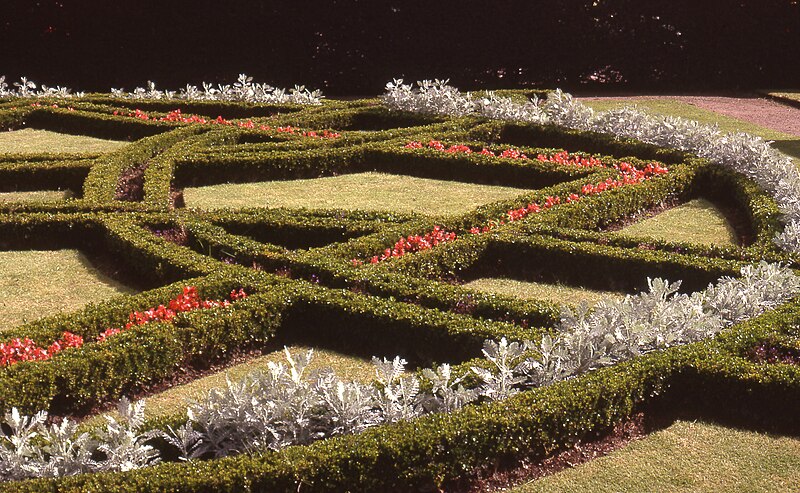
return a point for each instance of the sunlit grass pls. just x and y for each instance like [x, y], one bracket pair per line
[34, 196]
[686, 457]
[34, 284]
[28, 141]
[363, 191]
[696, 221]
[557, 293]
[672, 107]
[792, 95]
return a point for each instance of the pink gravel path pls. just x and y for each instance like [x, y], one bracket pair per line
[760, 111]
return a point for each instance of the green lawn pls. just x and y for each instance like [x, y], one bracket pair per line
[791, 95]
[672, 107]
[686, 457]
[31, 141]
[34, 284]
[34, 196]
[365, 191]
[696, 221]
[557, 293]
[175, 400]
[786, 143]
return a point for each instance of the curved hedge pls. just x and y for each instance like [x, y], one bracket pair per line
[310, 280]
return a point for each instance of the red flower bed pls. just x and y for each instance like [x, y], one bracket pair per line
[510, 153]
[177, 116]
[25, 349]
[628, 175]
[17, 349]
[413, 243]
[568, 159]
[562, 157]
[187, 301]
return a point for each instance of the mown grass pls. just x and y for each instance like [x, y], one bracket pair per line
[697, 221]
[34, 196]
[790, 95]
[363, 191]
[686, 457]
[174, 400]
[786, 143]
[34, 284]
[557, 293]
[672, 107]
[29, 140]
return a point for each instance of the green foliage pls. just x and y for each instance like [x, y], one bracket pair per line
[413, 306]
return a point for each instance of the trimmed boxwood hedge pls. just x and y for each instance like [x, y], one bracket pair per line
[297, 265]
[437, 450]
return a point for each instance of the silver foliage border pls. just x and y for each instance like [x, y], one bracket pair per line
[744, 153]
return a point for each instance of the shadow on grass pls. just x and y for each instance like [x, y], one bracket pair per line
[788, 147]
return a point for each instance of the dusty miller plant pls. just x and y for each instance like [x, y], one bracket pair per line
[243, 90]
[288, 404]
[28, 89]
[33, 448]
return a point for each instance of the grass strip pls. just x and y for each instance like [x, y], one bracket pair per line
[360, 191]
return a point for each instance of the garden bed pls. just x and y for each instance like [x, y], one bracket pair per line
[372, 262]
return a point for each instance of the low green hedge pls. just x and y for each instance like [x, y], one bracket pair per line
[94, 124]
[207, 170]
[25, 174]
[150, 256]
[101, 184]
[410, 306]
[443, 450]
[213, 109]
[85, 377]
[592, 142]
[760, 211]
[364, 118]
[310, 229]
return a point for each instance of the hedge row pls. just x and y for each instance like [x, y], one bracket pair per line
[158, 175]
[443, 450]
[362, 118]
[101, 184]
[94, 124]
[592, 142]
[309, 229]
[26, 175]
[212, 109]
[227, 165]
[95, 373]
[411, 306]
[84, 377]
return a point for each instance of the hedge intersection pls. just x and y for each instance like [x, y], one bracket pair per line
[310, 278]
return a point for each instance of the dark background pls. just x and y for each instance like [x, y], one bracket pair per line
[353, 47]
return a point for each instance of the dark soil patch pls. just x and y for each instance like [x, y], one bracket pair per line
[176, 234]
[176, 200]
[130, 186]
[774, 353]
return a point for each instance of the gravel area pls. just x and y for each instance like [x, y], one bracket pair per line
[760, 111]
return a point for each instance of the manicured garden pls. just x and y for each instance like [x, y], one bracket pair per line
[480, 248]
